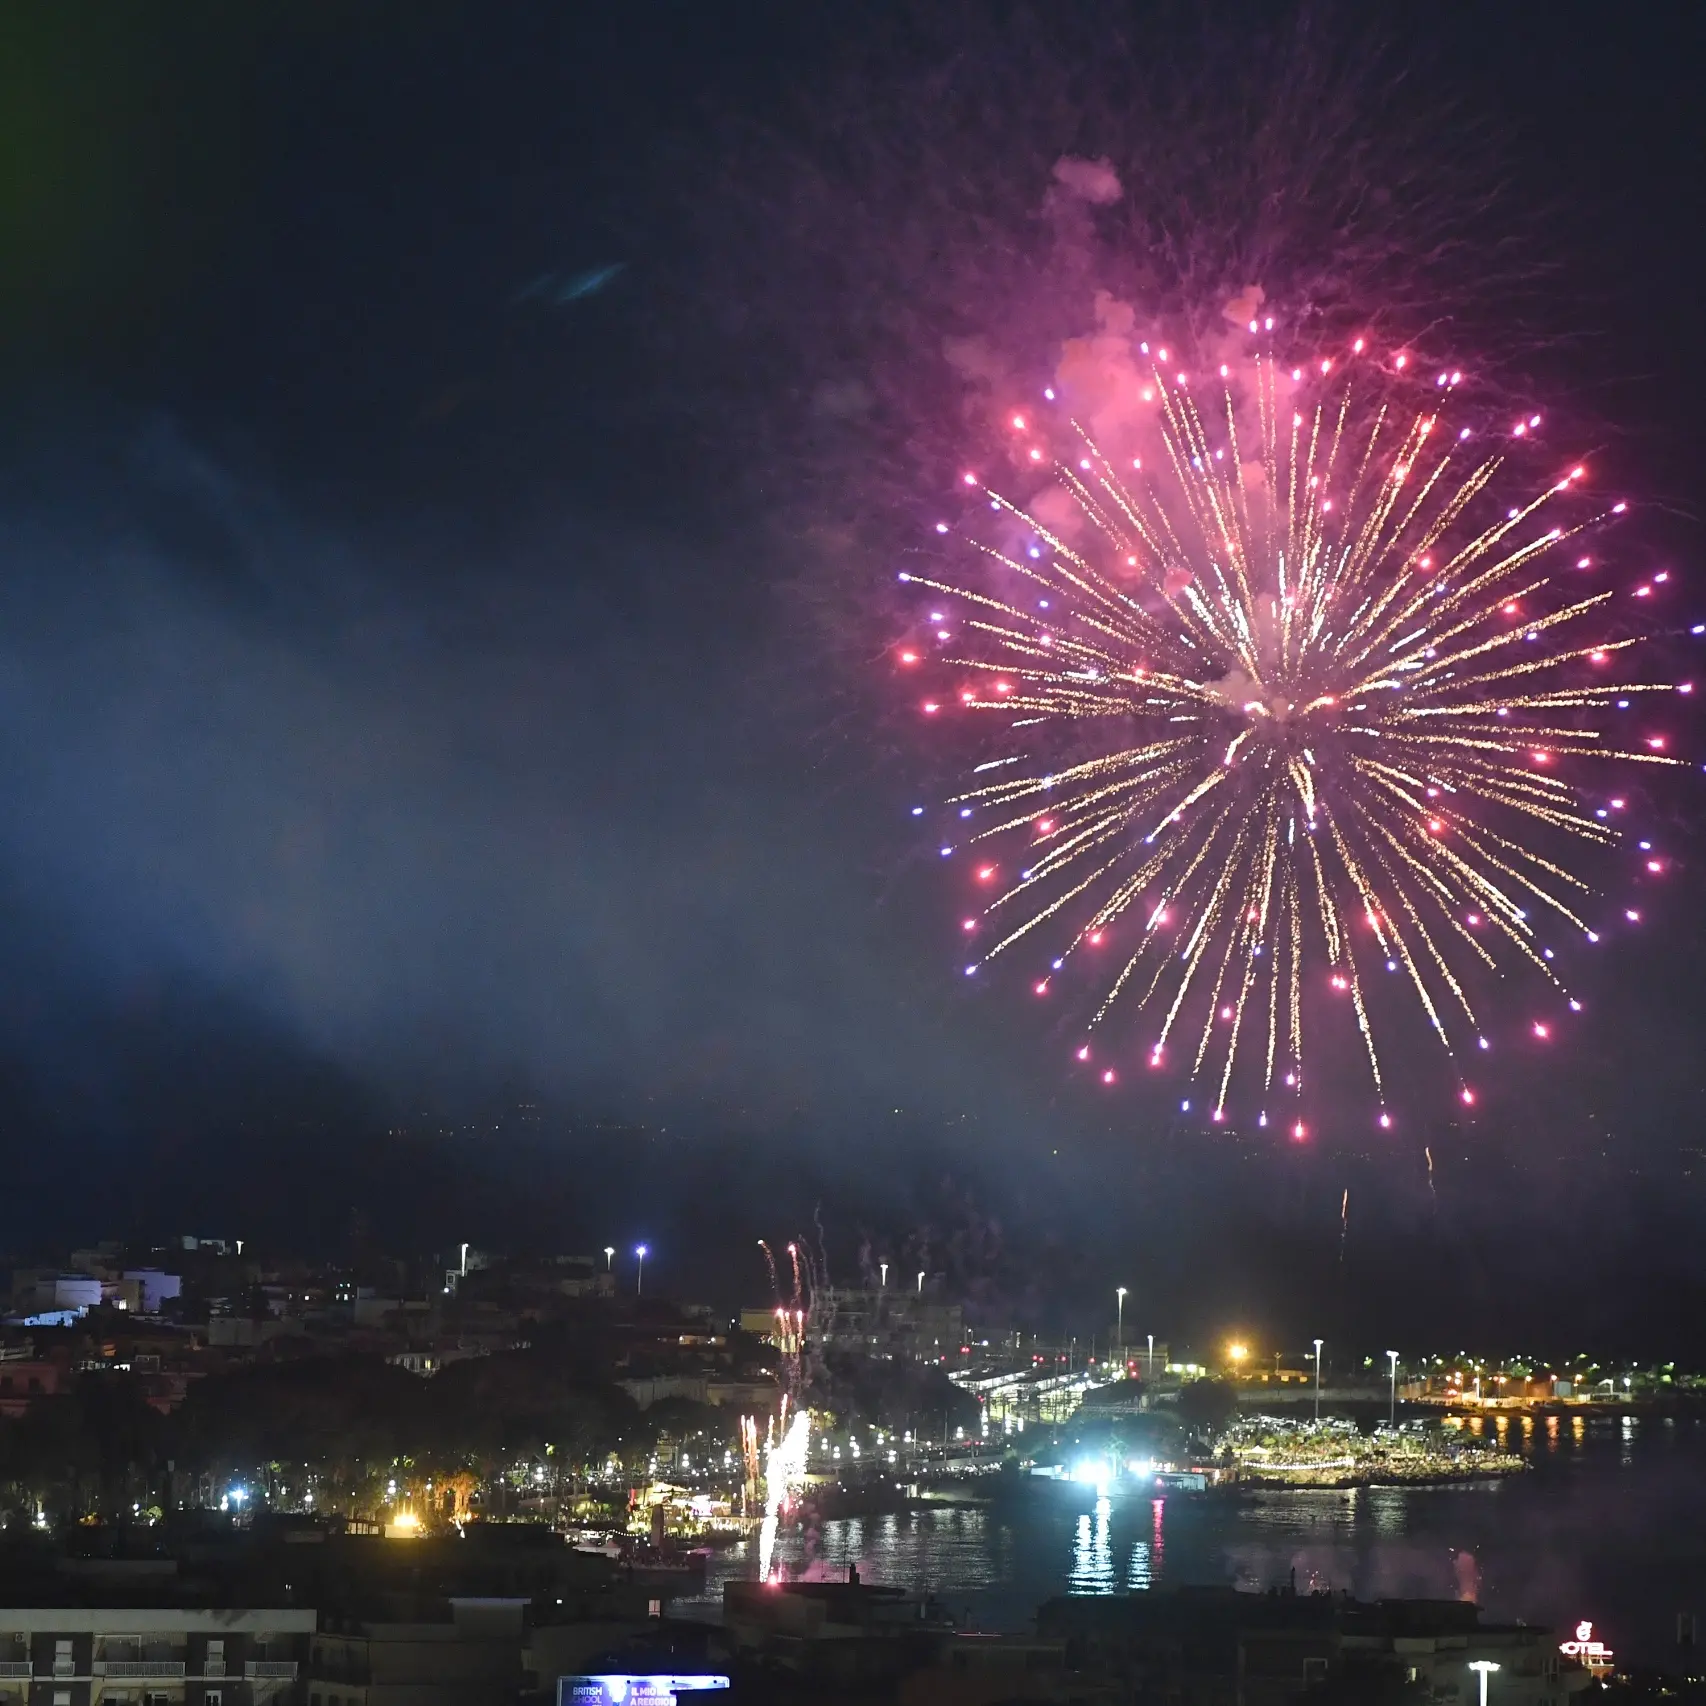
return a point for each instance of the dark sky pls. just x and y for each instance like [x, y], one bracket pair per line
[437, 679]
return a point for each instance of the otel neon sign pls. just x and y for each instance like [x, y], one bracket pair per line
[1585, 1647]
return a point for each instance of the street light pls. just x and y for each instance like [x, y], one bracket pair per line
[1150, 1377]
[921, 1283]
[1318, 1344]
[609, 1257]
[640, 1272]
[885, 1271]
[1392, 1419]
[1119, 1315]
[1486, 1667]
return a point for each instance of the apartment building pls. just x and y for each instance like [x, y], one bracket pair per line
[473, 1657]
[165, 1656]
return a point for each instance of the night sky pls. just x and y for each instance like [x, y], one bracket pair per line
[450, 460]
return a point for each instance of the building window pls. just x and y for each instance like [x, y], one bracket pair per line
[62, 1697]
[213, 1697]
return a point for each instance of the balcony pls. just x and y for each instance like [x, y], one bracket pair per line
[213, 1669]
[16, 1670]
[140, 1670]
[270, 1670]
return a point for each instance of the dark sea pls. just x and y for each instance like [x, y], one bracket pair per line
[1608, 1524]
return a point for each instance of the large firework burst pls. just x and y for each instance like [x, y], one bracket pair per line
[1326, 684]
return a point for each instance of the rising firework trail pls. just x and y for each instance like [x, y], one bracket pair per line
[1305, 678]
[770, 1266]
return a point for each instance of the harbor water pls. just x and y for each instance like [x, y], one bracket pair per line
[1607, 1524]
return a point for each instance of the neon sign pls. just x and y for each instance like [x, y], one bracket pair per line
[1585, 1647]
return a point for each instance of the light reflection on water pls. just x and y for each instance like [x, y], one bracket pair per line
[1610, 1524]
[1092, 1557]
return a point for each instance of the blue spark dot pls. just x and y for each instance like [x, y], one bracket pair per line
[1646, 847]
[1391, 965]
[965, 811]
[903, 576]
[946, 851]
[1035, 552]
[971, 971]
[1058, 964]
[1048, 392]
[1482, 1041]
[1698, 628]
[918, 811]
[1184, 1107]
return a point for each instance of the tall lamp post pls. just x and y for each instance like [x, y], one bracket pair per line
[1392, 1417]
[640, 1272]
[884, 1267]
[1119, 1316]
[1151, 1363]
[1318, 1344]
[1485, 1667]
[609, 1257]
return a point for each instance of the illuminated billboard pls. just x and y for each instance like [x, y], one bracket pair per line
[631, 1690]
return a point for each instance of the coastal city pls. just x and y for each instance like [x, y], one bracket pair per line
[850, 855]
[561, 1470]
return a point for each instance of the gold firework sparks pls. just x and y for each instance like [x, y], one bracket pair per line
[1301, 697]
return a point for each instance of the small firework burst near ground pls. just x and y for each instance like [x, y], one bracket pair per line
[1297, 675]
